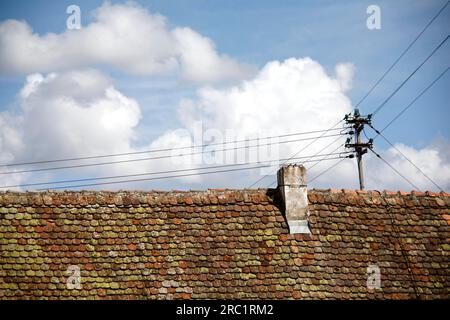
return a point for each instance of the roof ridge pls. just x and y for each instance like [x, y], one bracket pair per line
[385, 192]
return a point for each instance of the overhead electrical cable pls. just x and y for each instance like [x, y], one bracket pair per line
[327, 169]
[301, 149]
[383, 104]
[395, 170]
[407, 159]
[163, 177]
[402, 54]
[318, 161]
[164, 172]
[414, 100]
[161, 157]
[157, 150]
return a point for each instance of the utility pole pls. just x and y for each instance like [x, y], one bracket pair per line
[360, 148]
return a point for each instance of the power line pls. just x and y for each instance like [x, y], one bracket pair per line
[163, 172]
[406, 108]
[331, 143]
[414, 100]
[381, 106]
[160, 157]
[159, 178]
[156, 150]
[402, 249]
[326, 170]
[412, 163]
[318, 161]
[295, 154]
[395, 170]
[404, 156]
[401, 55]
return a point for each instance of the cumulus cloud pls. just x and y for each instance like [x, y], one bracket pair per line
[344, 73]
[74, 113]
[432, 160]
[80, 113]
[11, 145]
[77, 112]
[296, 95]
[290, 96]
[126, 37]
[201, 63]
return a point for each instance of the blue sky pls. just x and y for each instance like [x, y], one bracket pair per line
[257, 32]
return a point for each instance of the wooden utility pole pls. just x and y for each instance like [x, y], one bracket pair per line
[360, 148]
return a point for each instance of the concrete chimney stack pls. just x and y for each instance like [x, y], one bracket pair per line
[292, 186]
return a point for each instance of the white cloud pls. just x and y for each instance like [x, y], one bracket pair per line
[432, 160]
[344, 73]
[69, 114]
[290, 96]
[126, 37]
[295, 95]
[80, 113]
[200, 61]
[74, 114]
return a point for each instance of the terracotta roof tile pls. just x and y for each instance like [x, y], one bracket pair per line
[222, 243]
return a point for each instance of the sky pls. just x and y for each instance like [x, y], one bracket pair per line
[151, 75]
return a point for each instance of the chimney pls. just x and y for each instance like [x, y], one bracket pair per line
[292, 186]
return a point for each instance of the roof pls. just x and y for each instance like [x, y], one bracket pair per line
[222, 244]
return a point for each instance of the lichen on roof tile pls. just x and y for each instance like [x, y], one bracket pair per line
[222, 243]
